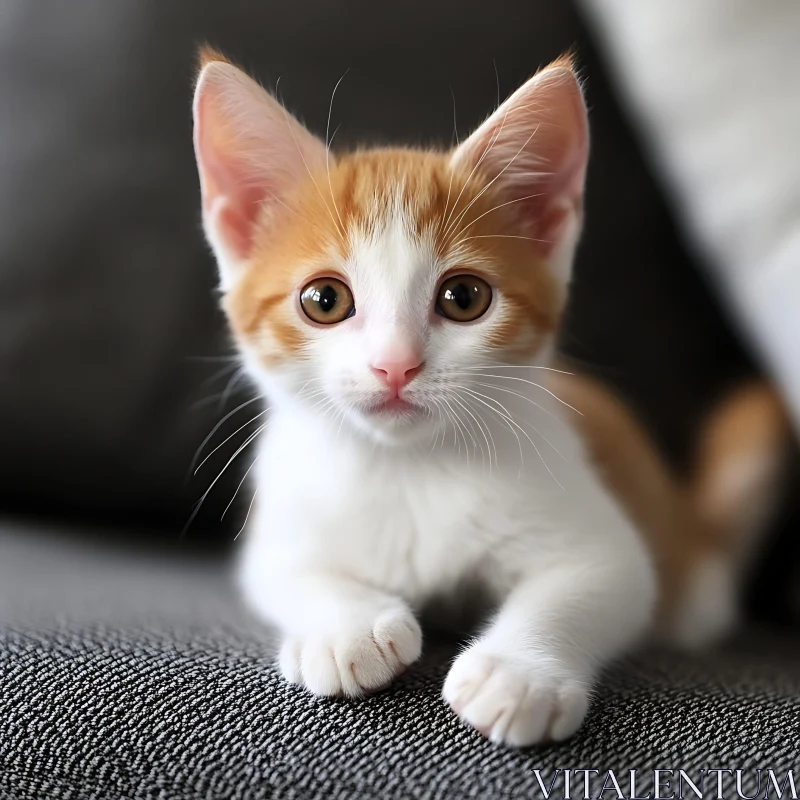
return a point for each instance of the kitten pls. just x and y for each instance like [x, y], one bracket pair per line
[398, 309]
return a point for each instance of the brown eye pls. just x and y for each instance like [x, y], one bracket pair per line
[463, 298]
[327, 301]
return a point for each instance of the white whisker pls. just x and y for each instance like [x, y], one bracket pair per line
[219, 475]
[308, 170]
[520, 366]
[220, 373]
[507, 416]
[456, 427]
[503, 236]
[494, 208]
[488, 185]
[477, 165]
[238, 375]
[244, 478]
[228, 438]
[217, 427]
[489, 448]
[518, 394]
[531, 383]
[463, 430]
[289, 208]
[455, 124]
[477, 396]
[469, 426]
[247, 517]
[214, 358]
[328, 147]
[526, 422]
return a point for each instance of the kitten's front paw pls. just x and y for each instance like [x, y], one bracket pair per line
[515, 705]
[354, 661]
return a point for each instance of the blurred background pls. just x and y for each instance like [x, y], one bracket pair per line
[117, 372]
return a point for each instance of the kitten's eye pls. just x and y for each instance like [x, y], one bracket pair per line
[327, 301]
[463, 298]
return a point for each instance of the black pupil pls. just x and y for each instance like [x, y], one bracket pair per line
[462, 295]
[327, 298]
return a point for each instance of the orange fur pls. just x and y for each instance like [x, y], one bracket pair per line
[686, 523]
[740, 451]
[208, 55]
[293, 243]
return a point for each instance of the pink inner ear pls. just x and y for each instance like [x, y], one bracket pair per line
[250, 153]
[535, 148]
[237, 228]
[230, 185]
[239, 200]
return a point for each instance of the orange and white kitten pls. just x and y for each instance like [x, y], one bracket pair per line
[398, 309]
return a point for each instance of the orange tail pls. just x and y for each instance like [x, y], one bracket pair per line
[700, 530]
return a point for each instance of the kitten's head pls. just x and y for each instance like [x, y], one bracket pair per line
[368, 285]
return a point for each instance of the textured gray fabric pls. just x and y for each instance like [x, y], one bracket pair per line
[147, 680]
[199, 712]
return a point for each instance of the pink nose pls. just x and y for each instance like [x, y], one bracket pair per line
[397, 374]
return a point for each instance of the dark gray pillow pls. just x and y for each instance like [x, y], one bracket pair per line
[105, 285]
[107, 288]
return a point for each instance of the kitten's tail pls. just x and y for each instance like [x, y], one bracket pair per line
[701, 529]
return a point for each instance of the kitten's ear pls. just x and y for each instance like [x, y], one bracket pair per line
[535, 148]
[250, 153]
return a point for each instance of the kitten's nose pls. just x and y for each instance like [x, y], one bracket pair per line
[398, 369]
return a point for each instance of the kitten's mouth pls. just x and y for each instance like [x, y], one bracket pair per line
[394, 406]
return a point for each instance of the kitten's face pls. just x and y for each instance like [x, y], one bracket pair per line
[378, 316]
[369, 287]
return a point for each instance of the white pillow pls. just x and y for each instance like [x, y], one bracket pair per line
[715, 85]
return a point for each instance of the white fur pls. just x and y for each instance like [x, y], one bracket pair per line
[362, 524]
[364, 521]
[353, 539]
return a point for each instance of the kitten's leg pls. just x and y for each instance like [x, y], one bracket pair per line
[341, 636]
[528, 678]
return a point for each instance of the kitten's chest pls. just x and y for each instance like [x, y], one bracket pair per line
[413, 525]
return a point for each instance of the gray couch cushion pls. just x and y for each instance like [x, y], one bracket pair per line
[128, 677]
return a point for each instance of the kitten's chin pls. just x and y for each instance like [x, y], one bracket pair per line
[394, 423]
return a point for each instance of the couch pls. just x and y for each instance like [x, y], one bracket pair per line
[132, 675]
